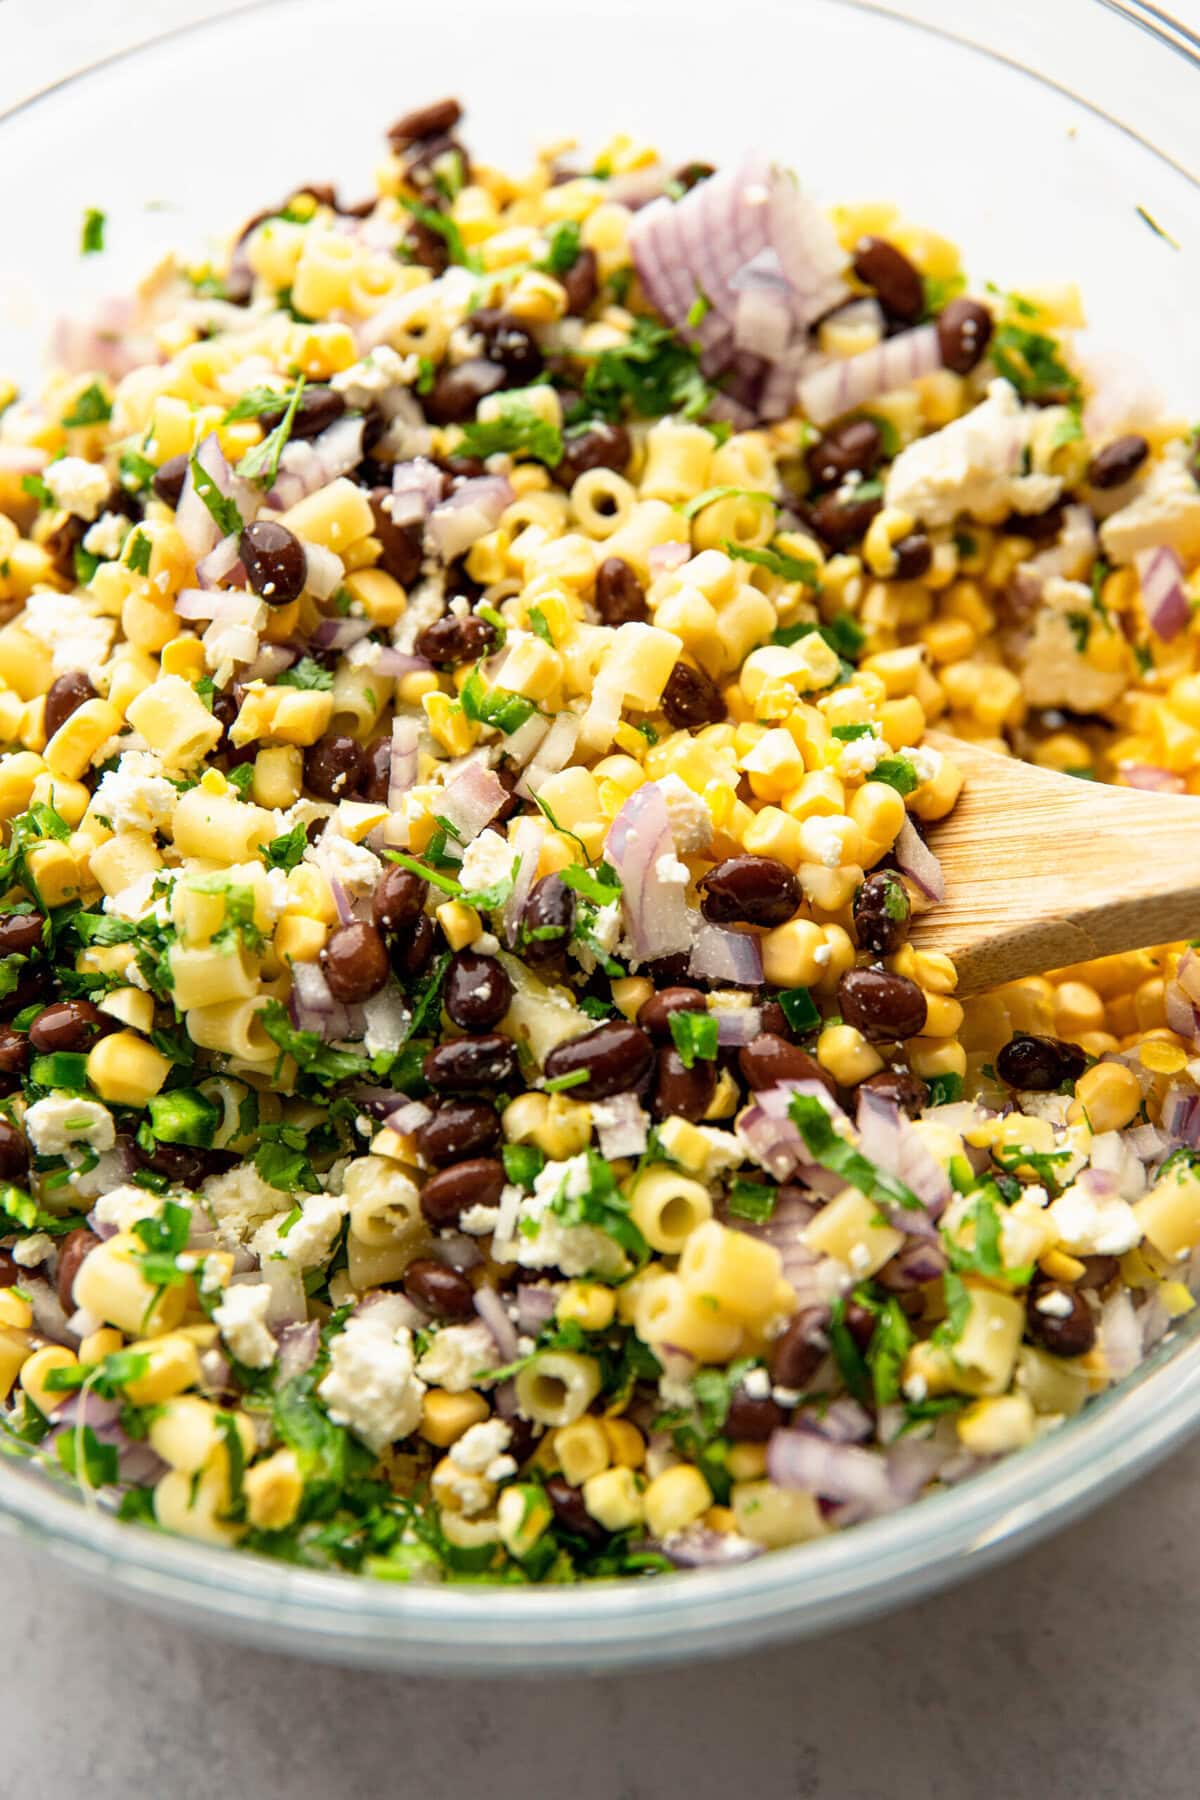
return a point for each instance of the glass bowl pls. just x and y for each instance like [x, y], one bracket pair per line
[1040, 149]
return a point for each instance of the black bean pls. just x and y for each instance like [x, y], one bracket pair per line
[768, 1060]
[964, 331]
[477, 993]
[680, 1092]
[375, 774]
[426, 247]
[64, 696]
[401, 553]
[547, 923]
[14, 1152]
[882, 266]
[457, 392]
[1099, 1271]
[859, 1322]
[1041, 528]
[880, 1005]
[451, 640]
[856, 445]
[914, 556]
[274, 561]
[749, 890]
[905, 1090]
[182, 1164]
[840, 520]
[1039, 1064]
[35, 984]
[451, 1192]
[882, 911]
[751, 1418]
[424, 122]
[670, 971]
[1119, 461]
[72, 1250]
[654, 1014]
[614, 1058]
[169, 478]
[472, 1064]
[691, 698]
[570, 1511]
[620, 596]
[1068, 1328]
[21, 933]
[413, 951]
[14, 1058]
[509, 343]
[69, 1025]
[355, 962]
[582, 282]
[441, 1291]
[691, 175]
[62, 542]
[317, 408]
[332, 767]
[428, 165]
[595, 446]
[801, 1347]
[399, 900]
[457, 1130]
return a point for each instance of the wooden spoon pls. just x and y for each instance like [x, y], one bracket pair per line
[1043, 870]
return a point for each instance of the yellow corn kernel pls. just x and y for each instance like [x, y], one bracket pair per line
[173, 1366]
[449, 724]
[943, 1016]
[994, 1426]
[37, 1367]
[1107, 1097]
[99, 1344]
[772, 832]
[273, 1489]
[675, 1499]
[949, 640]
[126, 1070]
[299, 939]
[16, 1314]
[614, 1499]
[196, 1506]
[522, 1514]
[1077, 1008]
[460, 923]
[902, 722]
[847, 1055]
[775, 1516]
[445, 1417]
[626, 1445]
[586, 1303]
[747, 1462]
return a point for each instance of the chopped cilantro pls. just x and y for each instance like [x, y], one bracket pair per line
[91, 236]
[695, 1036]
[826, 1147]
[788, 568]
[558, 1084]
[447, 230]
[711, 495]
[600, 883]
[562, 251]
[444, 882]
[944, 1090]
[287, 851]
[312, 1055]
[651, 374]
[846, 734]
[262, 463]
[306, 674]
[984, 1255]
[847, 1355]
[87, 1460]
[753, 1200]
[518, 429]
[92, 407]
[603, 1205]
[282, 1159]
[224, 512]
[137, 553]
[539, 627]
[699, 310]
[842, 633]
[1032, 362]
[162, 1239]
[958, 1309]
[523, 1163]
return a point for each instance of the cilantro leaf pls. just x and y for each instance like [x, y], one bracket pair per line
[306, 674]
[287, 851]
[651, 374]
[776, 562]
[695, 1036]
[518, 429]
[753, 1200]
[1032, 362]
[262, 463]
[710, 495]
[312, 1055]
[562, 252]
[224, 512]
[91, 236]
[92, 407]
[826, 1147]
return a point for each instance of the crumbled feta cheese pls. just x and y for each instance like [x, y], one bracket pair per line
[487, 860]
[1091, 1226]
[308, 1241]
[32, 1250]
[80, 487]
[925, 762]
[76, 637]
[1167, 512]
[825, 838]
[757, 1384]
[459, 1357]
[481, 1444]
[689, 818]
[371, 380]
[1055, 1304]
[386, 1020]
[668, 868]
[241, 1318]
[723, 1152]
[121, 1206]
[365, 654]
[136, 795]
[107, 536]
[371, 1386]
[61, 1121]
[477, 1221]
[1054, 666]
[339, 858]
[972, 465]
[538, 1239]
[239, 1201]
[858, 756]
[426, 603]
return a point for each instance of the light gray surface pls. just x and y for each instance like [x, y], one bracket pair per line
[1068, 1675]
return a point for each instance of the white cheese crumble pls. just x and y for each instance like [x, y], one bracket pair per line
[824, 836]
[239, 1200]
[477, 1221]
[1088, 1226]
[459, 1356]
[339, 858]
[480, 1445]
[136, 795]
[972, 465]
[32, 1250]
[61, 1121]
[241, 1318]
[1167, 511]
[308, 1241]
[80, 487]
[538, 1239]
[386, 1018]
[106, 537]
[372, 1387]
[858, 756]
[74, 635]
[689, 818]
[487, 860]
[372, 378]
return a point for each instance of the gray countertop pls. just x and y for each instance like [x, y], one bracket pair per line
[1069, 1673]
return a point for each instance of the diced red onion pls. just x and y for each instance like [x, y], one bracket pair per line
[1164, 601]
[399, 662]
[912, 1463]
[467, 514]
[850, 381]
[49, 1318]
[339, 634]
[313, 1006]
[700, 1547]
[1118, 1337]
[722, 955]
[103, 1228]
[106, 344]
[272, 660]
[298, 1346]
[656, 912]
[842, 1421]
[1147, 1142]
[662, 558]
[535, 1306]
[287, 1305]
[1179, 1105]
[762, 321]
[800, 1459]
[455, 1250]
[553, 753]
[408, 1117]
[307, 465]
[1181, 1016]
[221, 563]
[1187, 974]
[402, 771]
[494, 1313]
[915, 859]
[737, 1025]
[323, 572]
[472, 800]
[888, 1139]
[23, 459]
[197, 603]
[917, 1261]
[637, 187]
[1151, 779]
[341, 900]
[621, 1126]
[527, 839]
[416, 489]
[773, 1140]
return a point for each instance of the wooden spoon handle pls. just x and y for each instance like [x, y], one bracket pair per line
[1043, 870]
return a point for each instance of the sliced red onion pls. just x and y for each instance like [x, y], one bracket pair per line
[455, 1250]
[472, 800]
[402, 772]
[800, 1459]
[554, 752]
[773, 1140]
[888, 1139]
[722, 955]
[917, 1261]
[842, 1421]
[639, 843]
[400, 662]
[700, 1547]
[272, 660]
[467, 514]
[108, 343]
[307, 465]
[287, 1305]
[737, 1025]
[527, 839]
[1147, 1142]
[87, 1408]
[408, 1117]
[1151, 779]
[298, 1346]
[1179, 1105]
[762, 320]
[621, 1126]
[915, 859]
[912, 1463]
[494, 1313]
[221, 563]
[1164, 601]
[1181, 1015]
[1187, 974]
[312, 1006]
[197, 603]
[339, 634]
[341, 900]
[637, 187]
[103, 1228]
[535, 1306]
[49, 1317]
[850, 381]
[662, 558]
[1118, 1336]
[323, 572]
[416, 490]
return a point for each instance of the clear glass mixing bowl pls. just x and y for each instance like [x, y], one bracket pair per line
[1034, 147]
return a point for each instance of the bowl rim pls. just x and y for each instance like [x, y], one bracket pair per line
[493, 1629]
